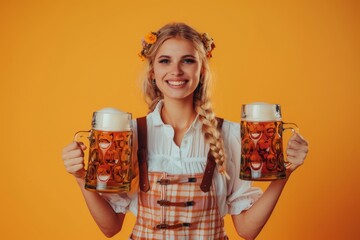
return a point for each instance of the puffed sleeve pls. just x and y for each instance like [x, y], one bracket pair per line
[241, 195]
[119, 202]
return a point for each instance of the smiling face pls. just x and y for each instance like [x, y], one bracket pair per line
[177, 69]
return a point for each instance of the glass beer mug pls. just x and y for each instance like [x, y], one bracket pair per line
[110, 151]
[262, 154]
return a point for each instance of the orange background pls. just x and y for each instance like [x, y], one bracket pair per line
[62, 60]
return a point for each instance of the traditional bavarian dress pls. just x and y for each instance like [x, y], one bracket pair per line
[176, 206]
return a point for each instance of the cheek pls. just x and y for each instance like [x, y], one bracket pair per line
[198, 75]
[157, 77]
[158, 73]
[199, 72]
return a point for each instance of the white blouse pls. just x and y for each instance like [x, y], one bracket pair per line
[233, 196]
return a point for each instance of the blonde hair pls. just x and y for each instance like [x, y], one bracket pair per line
[202, 101]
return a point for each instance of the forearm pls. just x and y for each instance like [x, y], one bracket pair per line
[249, 223]
[107, 220]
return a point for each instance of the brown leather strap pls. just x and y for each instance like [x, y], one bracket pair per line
[210, 166]
[142, 154]
[175, 226]
[166, 181]
[175, 204]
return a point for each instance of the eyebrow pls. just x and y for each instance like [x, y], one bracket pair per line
[185, 56]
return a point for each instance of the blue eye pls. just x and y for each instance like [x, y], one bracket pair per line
[189, 60]
[164, 60]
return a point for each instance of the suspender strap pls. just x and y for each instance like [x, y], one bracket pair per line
[142, 158]
[142, 154]
[165, 181]
[175, 226]
[175, 204]
[210, 166]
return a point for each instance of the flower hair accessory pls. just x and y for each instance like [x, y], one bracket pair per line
[152, 37]
[147, 41]
[208, 44]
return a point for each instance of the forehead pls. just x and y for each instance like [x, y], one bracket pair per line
[177, 47]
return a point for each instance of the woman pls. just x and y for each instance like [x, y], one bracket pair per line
[176, 200]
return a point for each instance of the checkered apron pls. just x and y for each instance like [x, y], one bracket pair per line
[176, 208]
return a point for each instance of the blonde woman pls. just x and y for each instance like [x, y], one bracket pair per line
[189, 176]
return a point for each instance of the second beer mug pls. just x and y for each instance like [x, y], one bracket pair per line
[262, 154]
[109, 165]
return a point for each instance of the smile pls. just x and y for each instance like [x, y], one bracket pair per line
[176, 83]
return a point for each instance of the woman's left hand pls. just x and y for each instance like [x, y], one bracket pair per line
[297, 149]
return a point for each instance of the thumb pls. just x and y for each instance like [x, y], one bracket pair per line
[82, 145]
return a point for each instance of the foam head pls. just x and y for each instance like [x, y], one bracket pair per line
[111, 119]
[261, 112]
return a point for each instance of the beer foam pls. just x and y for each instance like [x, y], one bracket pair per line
[111, 119]
[261, 112]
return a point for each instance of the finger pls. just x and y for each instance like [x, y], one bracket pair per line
[73, 154]
[295, 160]
[75, 169]
[292, 166]
[297, 146]
[71, 146]
[73, 161]
[298, 138]
[295, 154]
[82, 145]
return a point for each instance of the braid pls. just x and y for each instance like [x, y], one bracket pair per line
[212, 134]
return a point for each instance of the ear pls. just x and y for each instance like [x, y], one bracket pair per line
[202, 72]
[151, 74]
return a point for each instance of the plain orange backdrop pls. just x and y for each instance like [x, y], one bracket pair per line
[62, 60]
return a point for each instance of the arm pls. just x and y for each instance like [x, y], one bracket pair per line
[109, 222]
[248, 224]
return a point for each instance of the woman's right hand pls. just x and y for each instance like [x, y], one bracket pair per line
[73, 157]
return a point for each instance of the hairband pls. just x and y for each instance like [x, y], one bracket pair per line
[152, 37]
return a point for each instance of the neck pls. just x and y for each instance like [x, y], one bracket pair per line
[179, 114]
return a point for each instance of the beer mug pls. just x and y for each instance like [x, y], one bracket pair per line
[110, 151]
[262, 154]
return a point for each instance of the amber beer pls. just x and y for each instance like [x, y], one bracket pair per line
[110, 153]
[262, 154]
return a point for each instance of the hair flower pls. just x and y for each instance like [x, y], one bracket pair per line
[141, 56]
[150, 38]
[146, 43]
[208, 44]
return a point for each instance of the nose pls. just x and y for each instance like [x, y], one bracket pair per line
[177, 70]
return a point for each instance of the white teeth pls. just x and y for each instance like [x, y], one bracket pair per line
[176, 83]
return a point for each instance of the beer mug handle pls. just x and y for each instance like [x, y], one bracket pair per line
[294, 129]
[81, 135]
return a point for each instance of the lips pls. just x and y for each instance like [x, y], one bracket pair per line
[176, 83]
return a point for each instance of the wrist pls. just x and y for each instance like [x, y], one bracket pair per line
[80, 181]
[288, 173]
